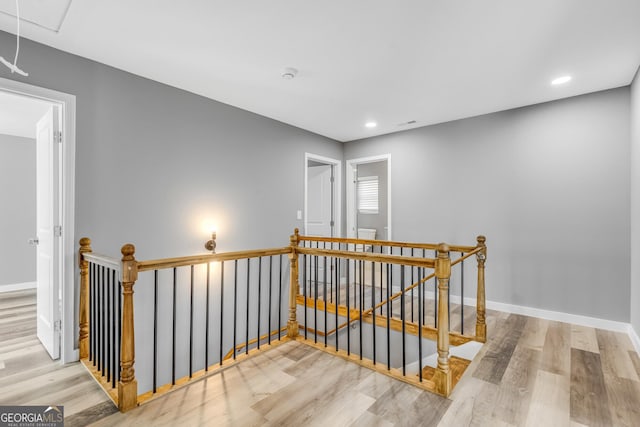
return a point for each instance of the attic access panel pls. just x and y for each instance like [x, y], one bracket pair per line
[48, 14]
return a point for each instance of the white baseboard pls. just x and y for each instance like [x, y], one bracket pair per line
[633, 335]
[558, 316]
[18, 286]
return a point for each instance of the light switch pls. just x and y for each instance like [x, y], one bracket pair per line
[299, 214]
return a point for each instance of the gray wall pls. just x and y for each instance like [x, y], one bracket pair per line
[379, 220]
[153, 162]
[547, 184]
[635, 203]
[18, 212]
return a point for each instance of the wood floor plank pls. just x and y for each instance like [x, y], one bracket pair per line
[635, 359]
[516, 389]
[367, 419]
[500, 349]
[556, 353]
[615, 358]
[550, 401]
[624, 401]
[589, 403]
[534, 333]
[584, 338]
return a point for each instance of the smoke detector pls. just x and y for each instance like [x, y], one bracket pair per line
[289, 73]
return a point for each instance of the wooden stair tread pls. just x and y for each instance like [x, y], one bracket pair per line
[457, 365]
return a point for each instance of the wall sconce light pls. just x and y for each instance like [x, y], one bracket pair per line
[211, 244]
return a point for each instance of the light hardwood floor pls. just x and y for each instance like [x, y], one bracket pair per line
[28, 376]
[531, 372]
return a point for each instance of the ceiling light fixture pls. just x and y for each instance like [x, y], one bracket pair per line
[560, 80]
[289, 73]
[370, 125]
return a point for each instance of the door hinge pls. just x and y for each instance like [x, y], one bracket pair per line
[57, 136]
[332, 223]
[57, 325]
[57, 230]
[333, 179]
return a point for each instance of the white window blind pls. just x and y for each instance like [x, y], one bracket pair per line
[368, 194]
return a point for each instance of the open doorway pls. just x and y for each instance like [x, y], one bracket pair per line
[369, 197]
[48, 152]
[322, 196]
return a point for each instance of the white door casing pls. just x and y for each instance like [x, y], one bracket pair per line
[47, 219]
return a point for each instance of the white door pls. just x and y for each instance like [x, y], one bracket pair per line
[320, 201]
[48, 298]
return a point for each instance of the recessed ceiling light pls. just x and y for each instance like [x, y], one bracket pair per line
[289, 73]
[560, 80]
[370, 124]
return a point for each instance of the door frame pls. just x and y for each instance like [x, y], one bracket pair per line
[66, 187]
[351, 191]
[337, 190]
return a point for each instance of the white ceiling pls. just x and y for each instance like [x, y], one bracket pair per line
[19, 115]
[359, 60]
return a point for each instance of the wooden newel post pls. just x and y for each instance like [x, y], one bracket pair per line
[128, 385]
[83, 339]
[442, 375]
[292, 324]
[481, 325]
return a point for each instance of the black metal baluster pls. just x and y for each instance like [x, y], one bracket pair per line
[390, 282]
[462, 294]
[388, 322]
[220, 349]
[92, 313]
[114, 289]
[155, 330]
[424, 291]
[103, 322]
[420, 308]
[324, 298]
[206, 321]
[373, 311]
[402, 315]
[315, 298]
[348, 312]
[173, 348]
[235, 307]
[360, 301]
[304, 295]
[280, 297]
[269, 310]
[337, 264]
[259, 298]
[412, 282]
[118, 329]
[191, 326]
[108, 323]
[381, 281]
[247, 321]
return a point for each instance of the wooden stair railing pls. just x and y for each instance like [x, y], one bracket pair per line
[123, 352]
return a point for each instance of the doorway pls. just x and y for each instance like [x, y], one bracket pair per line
[369, 197]
[322, 196]
[53, 232]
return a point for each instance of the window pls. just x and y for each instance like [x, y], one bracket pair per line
[368, 194]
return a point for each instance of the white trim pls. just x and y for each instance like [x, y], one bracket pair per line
[17, 286]
[337, 187]
[635, 340]
[350, 186]
[67, 104]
